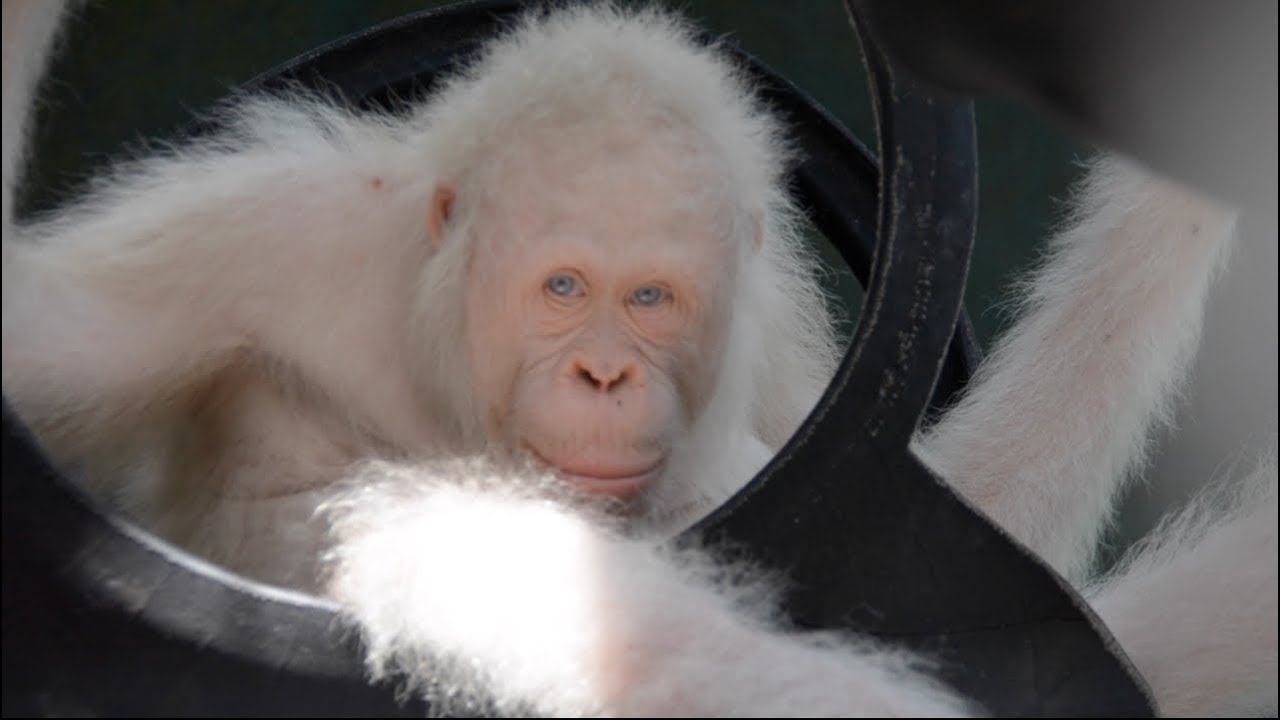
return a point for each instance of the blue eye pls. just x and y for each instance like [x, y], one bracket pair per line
[563, 285]
[648, 295]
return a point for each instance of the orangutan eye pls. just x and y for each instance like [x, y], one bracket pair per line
[563, 285]
[648, 295]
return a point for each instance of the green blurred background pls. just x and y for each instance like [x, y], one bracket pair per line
[134, 70]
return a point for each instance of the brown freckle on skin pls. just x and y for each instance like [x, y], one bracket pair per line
[376, 183]
[1195, 229]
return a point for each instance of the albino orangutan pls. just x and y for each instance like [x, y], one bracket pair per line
[465, 367]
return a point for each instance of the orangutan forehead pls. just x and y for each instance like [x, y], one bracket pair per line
[626, 172]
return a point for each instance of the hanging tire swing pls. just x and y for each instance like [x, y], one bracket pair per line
[102, 618]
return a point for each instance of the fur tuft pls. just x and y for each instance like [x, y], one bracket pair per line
[457, 582]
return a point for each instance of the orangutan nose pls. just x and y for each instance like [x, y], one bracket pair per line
[605, 377]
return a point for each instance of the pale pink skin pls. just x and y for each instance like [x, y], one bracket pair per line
[590, 381]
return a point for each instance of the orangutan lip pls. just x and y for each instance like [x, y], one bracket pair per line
[620, 484]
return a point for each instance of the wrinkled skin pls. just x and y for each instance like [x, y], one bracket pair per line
[595, 331]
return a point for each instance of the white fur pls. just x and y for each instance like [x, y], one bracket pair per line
[181, 266]
[1061, 410]
[1194, 605]
[445, 565]
[360, 341]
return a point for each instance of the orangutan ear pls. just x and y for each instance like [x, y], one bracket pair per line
[438, 213]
